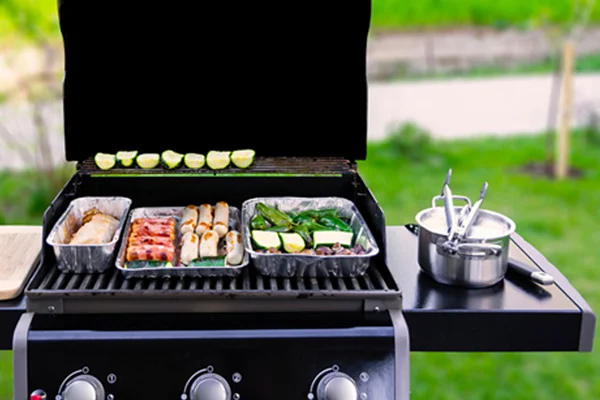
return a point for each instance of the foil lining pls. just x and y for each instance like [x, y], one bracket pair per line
[176, 269]
[87, 258]
[313, 266]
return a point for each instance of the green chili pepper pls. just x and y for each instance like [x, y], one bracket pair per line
[303, 231]
[316, 214]
[274, 216]
[277, 229]
[313, 226]
[304, 218]
[258, 223]
[335, 223]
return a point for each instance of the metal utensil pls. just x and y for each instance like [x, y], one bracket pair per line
[461, 229]
[448, 202]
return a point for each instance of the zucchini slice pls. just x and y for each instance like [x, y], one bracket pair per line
[171, 159]
[329, 238]
[243, 158]
[218, 159]
[292, 242]
[105, 161]
[266, 240]
[148, 160]
[194, 161]
[126, 158]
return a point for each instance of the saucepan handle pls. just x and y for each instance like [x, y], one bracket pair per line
[463, 198]
[479, 249]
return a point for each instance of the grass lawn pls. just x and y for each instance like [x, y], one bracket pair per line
[560, 218]
[38, 17]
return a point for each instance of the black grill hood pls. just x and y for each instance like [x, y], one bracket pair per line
[283, 78]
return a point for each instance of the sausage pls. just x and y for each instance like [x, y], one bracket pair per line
[234, 248]
[209, 244]
[205, 219]
[189, 219]
[149, 240]
[189, 247]
[150, 253]
[221, 221]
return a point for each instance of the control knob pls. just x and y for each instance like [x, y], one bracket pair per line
[84, 387]
[337, 386]
[210, 387]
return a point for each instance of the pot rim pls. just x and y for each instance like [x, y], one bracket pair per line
[509, 232]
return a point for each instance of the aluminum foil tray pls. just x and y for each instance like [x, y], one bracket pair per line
[177, 270]
[87, 258]
[313, 266]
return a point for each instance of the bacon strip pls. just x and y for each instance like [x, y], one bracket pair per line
[157, 231]
[150, 240]
[154, 221]
[151, 253]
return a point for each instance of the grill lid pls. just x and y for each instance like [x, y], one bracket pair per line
[282, 78]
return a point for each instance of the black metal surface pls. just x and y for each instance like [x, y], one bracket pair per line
[261, 82]
[276, 356]
[514, 315]
[262, 165]
[10, 312]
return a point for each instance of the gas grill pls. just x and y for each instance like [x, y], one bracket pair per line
[103, 336]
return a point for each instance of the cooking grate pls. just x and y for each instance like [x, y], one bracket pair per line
[111, 289]
[261, 165]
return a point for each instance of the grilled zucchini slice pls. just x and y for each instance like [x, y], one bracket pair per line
[292, 242]
[105, 161]
[126, 158]
[329, 238]
[148, 160]
[243, 158]
[266, 240]
[171, 159]
[218, 159]
[194, 161]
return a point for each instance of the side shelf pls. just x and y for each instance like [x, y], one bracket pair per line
[514, 315]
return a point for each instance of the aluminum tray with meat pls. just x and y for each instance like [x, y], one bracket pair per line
[307, 237]
[183, 241]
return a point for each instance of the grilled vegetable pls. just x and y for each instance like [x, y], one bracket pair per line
[258, 222]
[171, 159]
[292, 242]
[105, 161]
[243, 158]
[335, 223]
[303, 218]
[221, 219]
[313, 226]
[234, 248]
[274, 216]
[218, 159]
[266, 240]
[147, 161]
[330, 238]
[316, 214]
[126, 158]
[303, 231]
[194, 161]
[277, 229]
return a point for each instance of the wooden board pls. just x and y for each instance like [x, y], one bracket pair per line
[19, 250]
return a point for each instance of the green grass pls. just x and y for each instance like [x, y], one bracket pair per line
[585, 64]
[39, 17]
[559, 218]
[394, 14]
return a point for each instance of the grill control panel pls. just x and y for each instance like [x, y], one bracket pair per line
[354, 363]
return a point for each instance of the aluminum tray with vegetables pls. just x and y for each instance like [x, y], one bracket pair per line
[307, 237]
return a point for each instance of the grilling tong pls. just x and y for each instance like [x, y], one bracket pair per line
[460, 223]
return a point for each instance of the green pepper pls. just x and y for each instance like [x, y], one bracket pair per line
[302, 230]
[316, 214]
[277, 229]
[335, 223]
[313, 226]
[274, 216]
[304, 218]
[258, 223]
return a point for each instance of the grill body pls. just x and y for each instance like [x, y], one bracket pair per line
[266, 338]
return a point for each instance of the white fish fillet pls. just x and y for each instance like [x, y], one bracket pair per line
[99, 230]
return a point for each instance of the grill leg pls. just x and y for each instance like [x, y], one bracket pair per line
[402, 355]
[20, 337]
